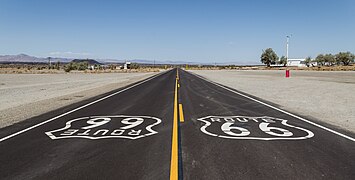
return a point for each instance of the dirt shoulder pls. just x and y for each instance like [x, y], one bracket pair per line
[23, 96]
[325, 96]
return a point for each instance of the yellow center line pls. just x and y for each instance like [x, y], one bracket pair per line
[174, 174]
[181, 112]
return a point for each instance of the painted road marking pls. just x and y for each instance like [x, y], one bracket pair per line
[121, 126]
[76, 109]
[174, 173]
[181, 113]
[264, 128]
[278, 109]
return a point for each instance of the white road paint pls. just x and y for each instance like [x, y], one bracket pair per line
[76, 109]
[279, 129]
[121, 126]
[278, 109]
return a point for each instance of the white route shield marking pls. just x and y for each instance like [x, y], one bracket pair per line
[254, 128]
[104, 127]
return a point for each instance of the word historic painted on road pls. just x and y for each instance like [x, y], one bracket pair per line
[258, 128]
[103, 127]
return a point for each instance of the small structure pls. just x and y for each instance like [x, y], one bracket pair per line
[296, 62]
[127, 65]
[91, 67]
[299, 63]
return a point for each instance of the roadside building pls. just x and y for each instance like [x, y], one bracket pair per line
[91, 67]
[296, 62]
[127, 65]
[299, 63]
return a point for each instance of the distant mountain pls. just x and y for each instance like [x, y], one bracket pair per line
[89, 61]
[19, 58]
[24, 58]
[27, 58]
[142, 61]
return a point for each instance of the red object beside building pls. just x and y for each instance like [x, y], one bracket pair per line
[287, 73]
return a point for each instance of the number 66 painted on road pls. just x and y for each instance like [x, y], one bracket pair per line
[227, 127]
[259, 128]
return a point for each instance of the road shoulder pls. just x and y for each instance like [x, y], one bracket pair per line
[22, 112]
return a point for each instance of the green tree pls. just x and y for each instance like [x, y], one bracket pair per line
[344, 57]
[329, 59]
[82, 66]
[57, 65]
[112, 66]
[283, 60]
[69, 67]
[269, 57]
[320, 59]
[308, 61]
[134, 66]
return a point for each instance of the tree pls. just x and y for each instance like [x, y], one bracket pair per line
[134, 66]
[268, 57]
[320, 59]
[283, 60]
[344, 57]
[308, 61]
[57, 65]
[82, 66]
[329, 59]
[69, 67]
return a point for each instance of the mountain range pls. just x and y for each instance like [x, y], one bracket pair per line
[30, 59]
[24, 58]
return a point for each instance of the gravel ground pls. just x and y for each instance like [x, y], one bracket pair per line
[23, 96]
[324, 96]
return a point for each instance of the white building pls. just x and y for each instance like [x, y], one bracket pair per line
[299, 63]
[127, 65]
[296, 62]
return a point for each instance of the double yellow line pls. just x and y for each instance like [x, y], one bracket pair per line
[181, 112]
[174, 162]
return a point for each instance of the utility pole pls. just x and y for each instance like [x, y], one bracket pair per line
[49, 62]
[287, 44]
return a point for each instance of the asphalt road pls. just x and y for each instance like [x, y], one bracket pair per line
[175, 125]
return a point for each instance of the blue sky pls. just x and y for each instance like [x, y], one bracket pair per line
[195, 31]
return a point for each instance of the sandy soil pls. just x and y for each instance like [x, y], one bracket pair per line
[324, 96]
[27, 95]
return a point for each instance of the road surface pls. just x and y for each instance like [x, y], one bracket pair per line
[175, 125]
